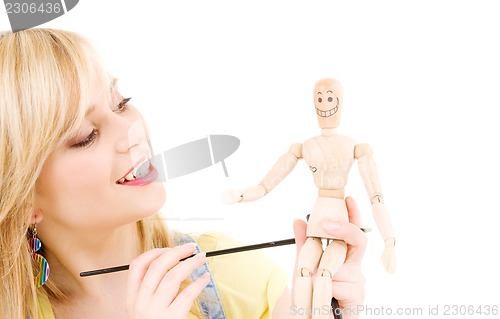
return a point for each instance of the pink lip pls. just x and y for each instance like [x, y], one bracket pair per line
[145, 180]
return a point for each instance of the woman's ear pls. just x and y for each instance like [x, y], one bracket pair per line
[36, 216]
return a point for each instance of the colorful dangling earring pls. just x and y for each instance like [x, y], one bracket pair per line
[43, 274]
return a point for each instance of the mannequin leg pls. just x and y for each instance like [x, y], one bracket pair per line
[332, 259]
[307, 264]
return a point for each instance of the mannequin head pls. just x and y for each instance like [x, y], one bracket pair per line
[328, 102]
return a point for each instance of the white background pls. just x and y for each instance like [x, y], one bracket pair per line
[421, 85]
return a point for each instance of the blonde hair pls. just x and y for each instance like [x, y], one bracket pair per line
[46, 77]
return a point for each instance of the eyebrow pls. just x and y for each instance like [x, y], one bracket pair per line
[112, 87]
[329, 91]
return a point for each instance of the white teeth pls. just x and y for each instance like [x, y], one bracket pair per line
[130, 177]
[141, 170]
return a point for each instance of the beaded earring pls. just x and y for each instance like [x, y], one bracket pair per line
[40, 261]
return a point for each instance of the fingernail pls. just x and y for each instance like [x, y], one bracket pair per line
[331, 226]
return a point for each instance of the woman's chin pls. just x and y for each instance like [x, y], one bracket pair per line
[149, 201]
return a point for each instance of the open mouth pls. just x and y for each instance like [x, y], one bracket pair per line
[142, 173]
[327, 113]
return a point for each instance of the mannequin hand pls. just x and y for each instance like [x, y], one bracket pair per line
[348, 282]
[154, 279]
[231, 196]
[248, 194]
[389, 255]
[384, 225]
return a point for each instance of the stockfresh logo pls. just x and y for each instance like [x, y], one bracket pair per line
[28, 14]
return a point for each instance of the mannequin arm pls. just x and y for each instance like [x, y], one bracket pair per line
[285, 164]
[369, 174]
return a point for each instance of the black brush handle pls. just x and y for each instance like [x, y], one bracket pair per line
[337, 313]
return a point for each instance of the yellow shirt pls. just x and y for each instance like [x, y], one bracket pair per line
[248, 282]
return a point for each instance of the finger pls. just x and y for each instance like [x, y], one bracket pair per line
[353, 212]
[299, 230]
[184, 300]
[349, 294]
[138, 269]
[348, 284]
[171, 282]
[160, 266]
[352, 235]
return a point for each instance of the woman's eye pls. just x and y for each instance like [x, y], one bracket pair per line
[122, 105]
[330, 99]
[87, 140]
[320, 100]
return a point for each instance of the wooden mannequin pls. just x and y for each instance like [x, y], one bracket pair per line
[330, 157]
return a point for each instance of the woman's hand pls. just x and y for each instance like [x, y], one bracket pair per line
[348, 283]
[155, 278]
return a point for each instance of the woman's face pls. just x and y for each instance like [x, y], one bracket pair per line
[84, 183]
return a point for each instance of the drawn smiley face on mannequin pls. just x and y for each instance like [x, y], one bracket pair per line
[328, 102]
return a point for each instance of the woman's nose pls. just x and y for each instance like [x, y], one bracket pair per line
[135, 141]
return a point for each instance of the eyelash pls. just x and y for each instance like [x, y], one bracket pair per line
[122, 105]
[88, 140]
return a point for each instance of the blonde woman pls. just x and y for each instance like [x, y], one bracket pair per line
[77, 192]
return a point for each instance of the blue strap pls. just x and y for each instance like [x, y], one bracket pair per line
[211, 306]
